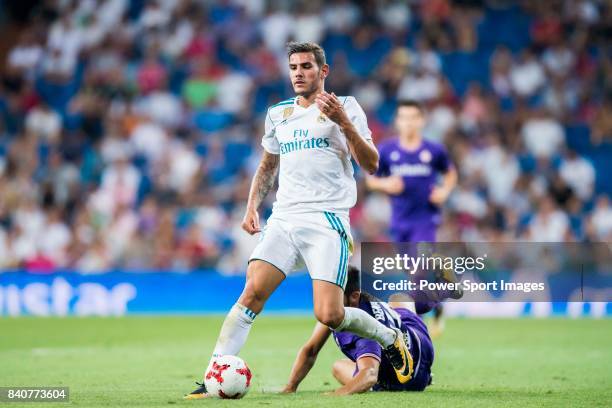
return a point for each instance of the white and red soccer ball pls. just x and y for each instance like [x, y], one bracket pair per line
[228, 377]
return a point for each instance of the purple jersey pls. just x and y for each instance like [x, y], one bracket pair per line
[413, 215]
[418, 341]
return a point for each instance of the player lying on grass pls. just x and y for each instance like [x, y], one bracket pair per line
[366, 367]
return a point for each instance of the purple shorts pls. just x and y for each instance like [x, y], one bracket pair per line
[421, 232]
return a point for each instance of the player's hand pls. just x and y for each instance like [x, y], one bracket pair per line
[331, 106]
[393, 185]
[438, 195]
[336, 393]
[288, 390]
[371, 182]
[250, 222]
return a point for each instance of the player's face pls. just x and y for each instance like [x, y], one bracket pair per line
[306, 76]
[409, 120]
[352, 300]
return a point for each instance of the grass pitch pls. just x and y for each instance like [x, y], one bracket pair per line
[153, 361]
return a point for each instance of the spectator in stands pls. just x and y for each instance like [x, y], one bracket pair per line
[601, 128]
[549, 224]
[44, 124]
[527, 75]
[579, 174]
[120, 182]
[543, 135]
[601, 220]
[26, 55]
[129, 131]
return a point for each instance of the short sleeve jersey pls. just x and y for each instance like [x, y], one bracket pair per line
[316, 173]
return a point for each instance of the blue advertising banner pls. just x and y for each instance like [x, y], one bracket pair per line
[119, 293]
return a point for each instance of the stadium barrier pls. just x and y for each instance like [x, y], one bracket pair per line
[120, 293]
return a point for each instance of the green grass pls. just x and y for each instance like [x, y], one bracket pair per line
[153, 361]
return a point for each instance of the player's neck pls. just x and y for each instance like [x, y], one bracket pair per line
[411, 141]
[306, 100]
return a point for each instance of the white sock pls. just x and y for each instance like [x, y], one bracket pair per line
[362, 324]
[234, 331]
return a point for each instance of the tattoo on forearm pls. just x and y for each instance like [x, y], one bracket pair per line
[264, 178]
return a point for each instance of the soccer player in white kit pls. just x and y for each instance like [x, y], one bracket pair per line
[309, 141]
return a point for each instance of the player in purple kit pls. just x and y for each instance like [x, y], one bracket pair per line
[409, 169]
[418, 176]
[366, 367]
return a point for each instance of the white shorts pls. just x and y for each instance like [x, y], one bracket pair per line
[319, 240]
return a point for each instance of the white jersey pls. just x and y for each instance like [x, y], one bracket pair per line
[316, 173]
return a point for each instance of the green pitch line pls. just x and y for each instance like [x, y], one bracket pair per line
[153, 361]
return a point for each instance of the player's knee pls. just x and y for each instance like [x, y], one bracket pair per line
[331, 317]
[337, 370]
[255, 294]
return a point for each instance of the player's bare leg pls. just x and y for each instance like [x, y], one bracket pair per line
[436, 327]
[343, 370]
[402, 300]
[262, 280]
[437, 324]
[328, 302]
[330, 310]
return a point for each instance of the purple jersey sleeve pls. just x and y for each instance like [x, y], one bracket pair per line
[383, 161]
[441, 161]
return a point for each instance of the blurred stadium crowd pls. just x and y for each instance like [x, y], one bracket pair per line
[130, 130]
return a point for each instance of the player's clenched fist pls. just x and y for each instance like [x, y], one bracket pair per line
[250, 222]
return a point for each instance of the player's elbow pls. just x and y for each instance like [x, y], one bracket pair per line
[372, 167]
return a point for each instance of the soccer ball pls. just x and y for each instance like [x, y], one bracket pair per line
[228, 377]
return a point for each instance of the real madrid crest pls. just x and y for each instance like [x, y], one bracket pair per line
[322, 118]
[287, 112]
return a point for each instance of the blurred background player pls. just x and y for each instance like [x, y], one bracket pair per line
[418, 176]
[308, 142]
[366, 366]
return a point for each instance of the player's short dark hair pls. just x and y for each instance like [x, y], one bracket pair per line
[353, 281]
[411, 103]
[353, 284]
[294, 47]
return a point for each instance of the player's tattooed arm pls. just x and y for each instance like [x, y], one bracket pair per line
[363, 151]
[264, 178]
[262, 183]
